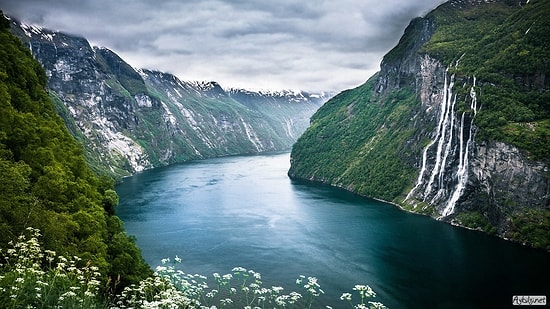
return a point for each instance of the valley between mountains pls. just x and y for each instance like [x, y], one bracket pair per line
[455, 125]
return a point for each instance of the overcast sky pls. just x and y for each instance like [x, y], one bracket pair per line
[314, 45]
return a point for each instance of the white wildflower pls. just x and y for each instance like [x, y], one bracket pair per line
[364, 290]
[377, 305]
[346, 296]
[238, 269]
[257, 276]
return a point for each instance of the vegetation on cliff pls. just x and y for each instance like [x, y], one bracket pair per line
[355, 141]
[507, 48]
[369, 140]
[46, 183]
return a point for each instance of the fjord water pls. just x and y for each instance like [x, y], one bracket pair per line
[220, 213]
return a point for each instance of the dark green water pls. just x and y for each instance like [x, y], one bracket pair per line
[244, 211]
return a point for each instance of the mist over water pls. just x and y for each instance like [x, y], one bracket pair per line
[244, 211]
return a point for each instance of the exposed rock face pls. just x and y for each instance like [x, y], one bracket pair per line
[130, 120]
[457, 174]
[505, 181]
[410, 135]
[83, 80]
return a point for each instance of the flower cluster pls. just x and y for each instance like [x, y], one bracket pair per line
[32, 277]
[365, 292]
[242, 288]
[36, 278]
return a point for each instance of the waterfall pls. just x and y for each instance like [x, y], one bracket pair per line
[446, 149]
[419, 181]
[442, 114]
[462, 172]
[446, 110]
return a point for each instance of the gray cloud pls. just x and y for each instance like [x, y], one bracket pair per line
[311, 45]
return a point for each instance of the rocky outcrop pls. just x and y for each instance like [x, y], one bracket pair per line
[459, 174]
[129, 120]
[506, 181]
[82, 81]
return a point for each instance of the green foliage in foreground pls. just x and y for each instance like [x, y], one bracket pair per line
[36, 278]
[44, 179]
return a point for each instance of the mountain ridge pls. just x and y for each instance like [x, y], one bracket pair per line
[133, 119]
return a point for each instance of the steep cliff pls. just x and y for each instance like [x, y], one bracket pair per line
[46, 184]
[456, 124]
[130, 120]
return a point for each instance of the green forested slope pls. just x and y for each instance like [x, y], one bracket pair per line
[355, 141]
[44, 180]
[370, 139]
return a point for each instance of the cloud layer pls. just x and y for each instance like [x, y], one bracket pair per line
[325, 45]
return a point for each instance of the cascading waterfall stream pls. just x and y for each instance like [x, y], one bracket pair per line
[462, 173]
[420, 179]
[446, 147]
[445, 127]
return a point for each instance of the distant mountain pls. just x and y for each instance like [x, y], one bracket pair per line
[130, 120]
[456, 125]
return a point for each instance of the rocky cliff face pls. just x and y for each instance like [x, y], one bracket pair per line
[502, 176]
[457, 172]
[130, 120]
[429, 133]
